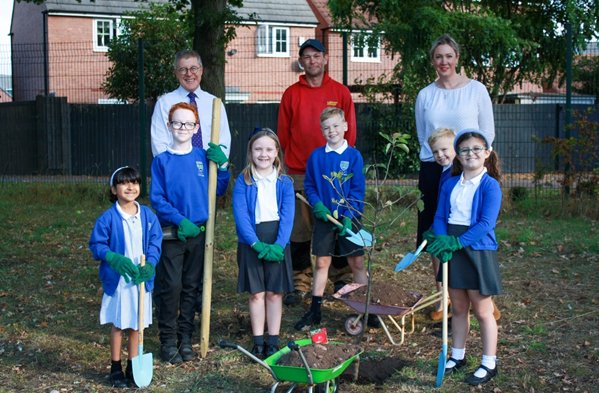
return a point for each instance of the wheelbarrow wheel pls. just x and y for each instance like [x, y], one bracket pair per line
[322, 387]
[352, 330]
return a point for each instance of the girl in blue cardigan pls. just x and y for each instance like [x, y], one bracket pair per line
[120, 236]
[264, 209]
[464, 225]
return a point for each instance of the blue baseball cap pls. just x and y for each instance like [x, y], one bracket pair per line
[314, 44]
[473, 131]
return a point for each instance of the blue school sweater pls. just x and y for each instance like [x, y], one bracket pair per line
[318, 189]
[109, 235]
[485, 210]
[179, 187]
[245, 198]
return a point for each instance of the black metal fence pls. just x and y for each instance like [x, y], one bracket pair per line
[79, 134]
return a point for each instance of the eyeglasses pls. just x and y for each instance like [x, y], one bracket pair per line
[466, 152]
[178, 125]
[193, 70]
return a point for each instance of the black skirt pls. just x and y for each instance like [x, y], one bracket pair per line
[473, 269]
[258, 275]
[428, 183]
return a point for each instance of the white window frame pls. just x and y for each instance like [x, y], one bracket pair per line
[267, 44]
[364, 56]
[112, 33]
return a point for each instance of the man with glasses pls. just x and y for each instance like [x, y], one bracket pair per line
[188, 70]
[299, 132]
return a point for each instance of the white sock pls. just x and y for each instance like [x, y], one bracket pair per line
[457, 354]
[489, 362]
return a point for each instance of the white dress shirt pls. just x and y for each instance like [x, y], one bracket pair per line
[162, 137]
[462, 196]
[266, 201]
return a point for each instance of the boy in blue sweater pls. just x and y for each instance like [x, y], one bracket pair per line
[179, 194]
[335, 156]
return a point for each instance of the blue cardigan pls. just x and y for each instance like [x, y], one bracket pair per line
[244, 209]
[485, 210]
[109, 235]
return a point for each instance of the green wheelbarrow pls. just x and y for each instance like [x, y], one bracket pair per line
[318, 381]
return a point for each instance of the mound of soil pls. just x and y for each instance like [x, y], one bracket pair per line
[385, 294]
[320, 356]
[374, 371]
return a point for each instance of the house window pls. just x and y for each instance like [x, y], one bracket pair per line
[273, 41]
[362, 52]
[104, 32]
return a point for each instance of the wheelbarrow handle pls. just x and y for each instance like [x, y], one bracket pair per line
[224, 344]
[294, 347]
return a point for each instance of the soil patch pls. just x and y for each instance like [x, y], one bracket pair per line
[385, 294]
[374, 371]
[320, 356]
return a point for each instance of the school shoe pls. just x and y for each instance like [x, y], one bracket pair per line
[186, 351]
[458, 365]
[258, 351]
[118, 379]
[309, 318]
[271, 350]
[475, 381]
[295, 297]
[170, 354]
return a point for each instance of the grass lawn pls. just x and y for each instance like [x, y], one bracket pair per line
[50, 295]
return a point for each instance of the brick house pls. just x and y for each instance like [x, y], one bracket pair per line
[74, 36]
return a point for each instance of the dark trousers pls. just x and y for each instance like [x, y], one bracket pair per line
[428, 183]
[178, 277]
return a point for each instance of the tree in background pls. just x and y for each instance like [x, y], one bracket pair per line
[165, 32]
[504, 43]
[586, 75]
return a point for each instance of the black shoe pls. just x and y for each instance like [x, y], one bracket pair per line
[475, 381]
[118, 379]
[373, 321]
[271, 350]
[170, 354]
[295, 297]
[309, 318]
[458, 365]
[186, 351]
[338, 285]
[258, 351]
[439, 333]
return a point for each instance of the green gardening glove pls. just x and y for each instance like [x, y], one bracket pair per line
[429, 236]
[215, 153]
[445, 243]
[275, 254]
[445, 256]
[187, 229]
[122, 265]
[346, 224]
[261, 248]
[146, 272]
[321, 211]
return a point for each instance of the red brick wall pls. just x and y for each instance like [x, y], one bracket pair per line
[76, 71]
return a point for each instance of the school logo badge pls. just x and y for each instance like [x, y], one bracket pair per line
[200, 166]
[344, 165]
[332, 103]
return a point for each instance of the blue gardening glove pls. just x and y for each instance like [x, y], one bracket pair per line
[215, 153]
[187, 229]
[343, 228]
[275, 254]
[429, 236]
[146, 272]
[261, 248]
[122, 265]
[321, 211]
[444, 244]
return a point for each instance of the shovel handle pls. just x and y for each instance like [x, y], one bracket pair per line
[142, 292]
[331, 218]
